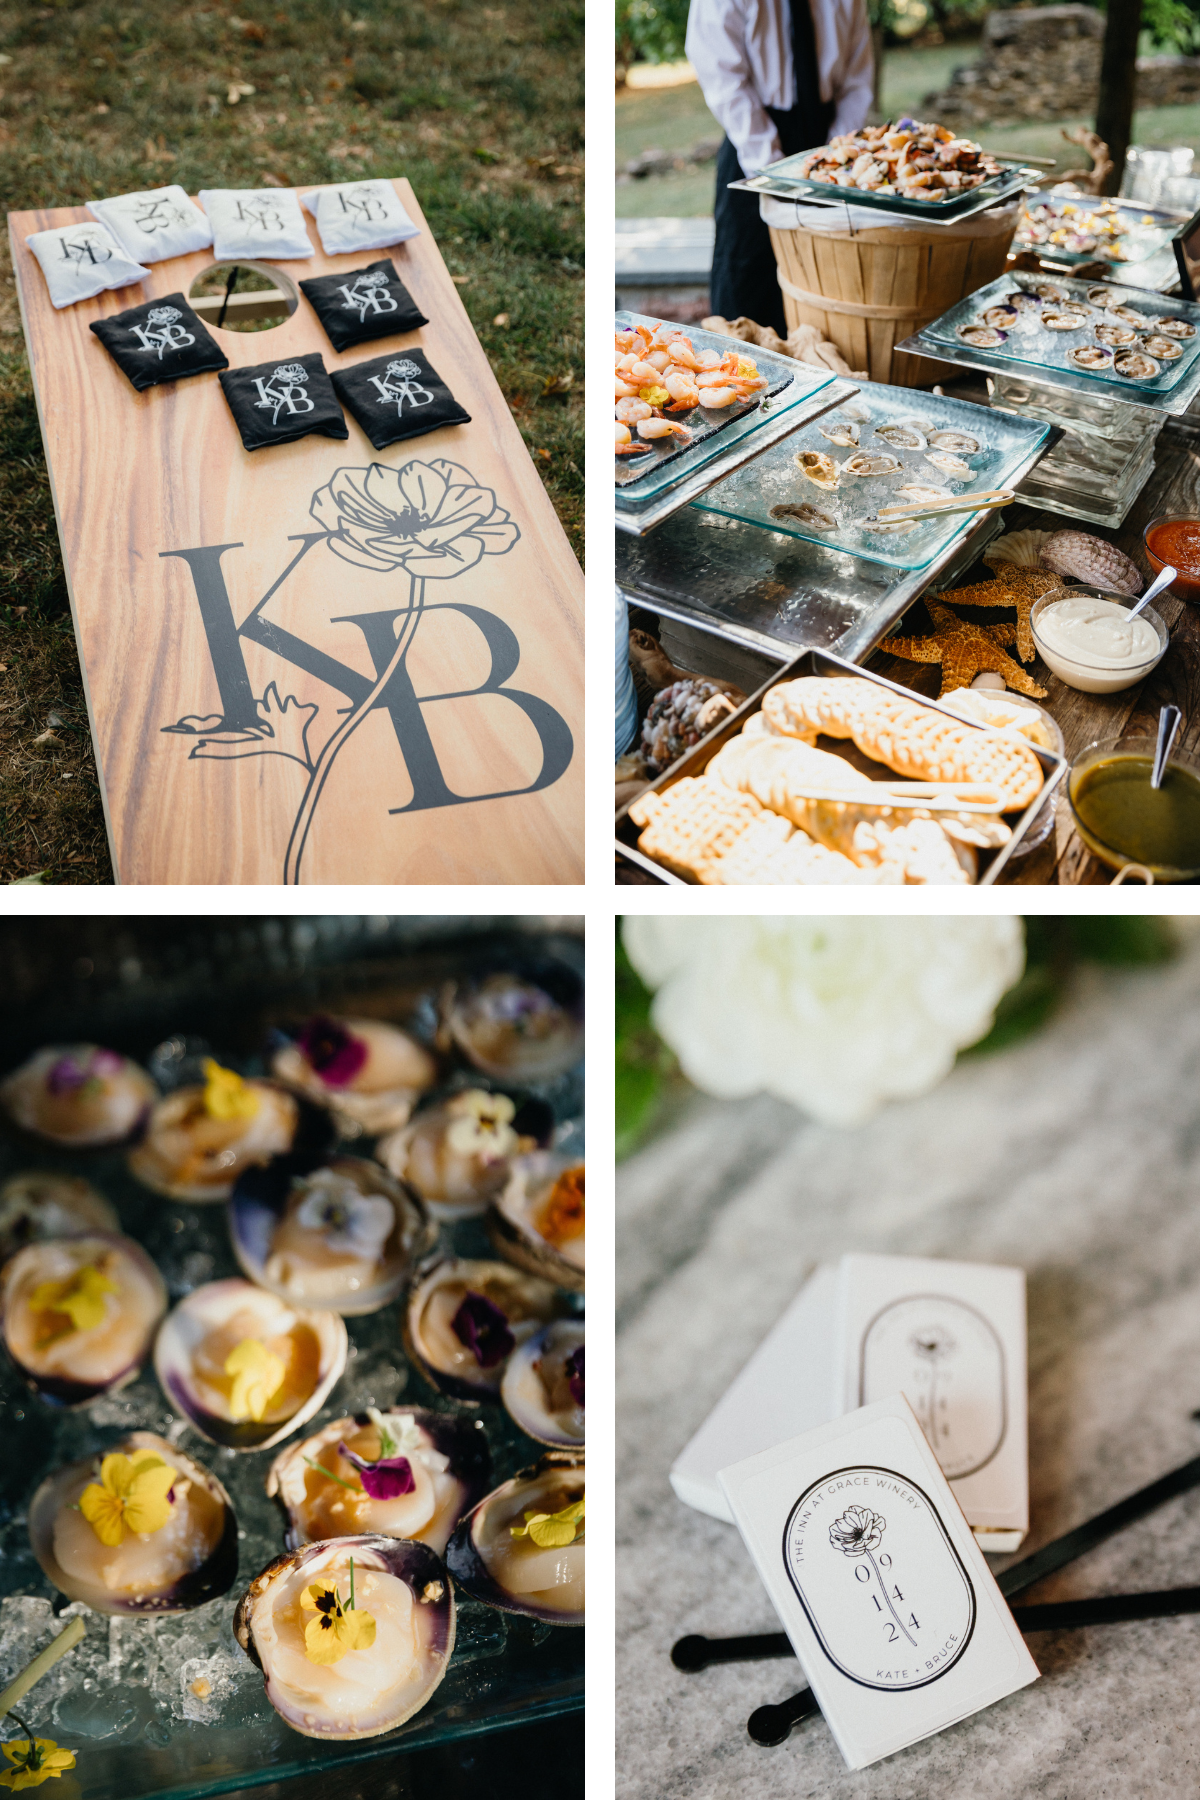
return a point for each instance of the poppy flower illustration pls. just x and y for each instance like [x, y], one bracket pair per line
[431, 519]
[857, 1531]
[932, 1342]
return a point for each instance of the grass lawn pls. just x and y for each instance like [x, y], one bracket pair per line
[480, 107]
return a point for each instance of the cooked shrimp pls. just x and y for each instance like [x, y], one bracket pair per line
[626, 390]
[630, 411]
[682, 353]
[625, 445]
[681, 385]
[661, 428]
[643, 373]
[717, 397]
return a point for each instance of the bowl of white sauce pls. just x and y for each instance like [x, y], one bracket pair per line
[1086, 637]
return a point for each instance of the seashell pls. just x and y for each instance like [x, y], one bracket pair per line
[1047, 290]
[949, 438]
[188, 1154]
[464, 1319]
[806, 514]
[918, 422]
[902, 437]
[1129, 315]
[1018, 547]
[345, 1234]
[1135, 365]
[457, 1155]
[951, 465]
[1090, 559]
[1099, 296]
[493, 1566]
[188, 1561]
[818, 468]
[1175, 328]
[1090, 356]
[982, 337]
[869, 464]
[404, 1587]
[1024, 301]
[839, 431]
[537, 1223]
[518, 1026]
[199, 1338]
[35, 1206]
[1004, 316]
[924, 496]
[891, 527]
[543, 1385]
[1117, 337]
[1064, 321]
[449, 1467]
[854, 409]
[1165, 349]
[368, 1074]
[76, 1361]
[78, 1096]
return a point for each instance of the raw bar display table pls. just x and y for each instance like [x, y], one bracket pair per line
[229, 653]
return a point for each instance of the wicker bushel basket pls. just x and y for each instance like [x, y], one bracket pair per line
[866, 290]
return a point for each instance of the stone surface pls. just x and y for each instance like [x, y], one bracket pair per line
[1075, 1155]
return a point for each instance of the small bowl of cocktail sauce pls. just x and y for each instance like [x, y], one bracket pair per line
[1175, 539]
[1122, 819]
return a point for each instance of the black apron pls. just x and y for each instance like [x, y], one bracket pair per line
[743, 270]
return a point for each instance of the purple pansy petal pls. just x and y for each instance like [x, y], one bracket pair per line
[386, 1479]
[335, 1053]
[480, 1325]
[575, 1375]
[66, 1076]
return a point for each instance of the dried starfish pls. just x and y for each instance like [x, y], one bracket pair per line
[1014, 587]
[963, 649]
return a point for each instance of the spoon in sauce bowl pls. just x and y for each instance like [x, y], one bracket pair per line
[1169, 720]
[1163, 579]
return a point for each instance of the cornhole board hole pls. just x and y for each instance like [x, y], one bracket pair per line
[265, 709]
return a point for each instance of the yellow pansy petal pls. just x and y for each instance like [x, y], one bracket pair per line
[226, 1095]
[318, 1591]
[116, 1472]
[321, 1641]
[147, 1507]
[571, 1512]
[357, 1628]
[105, 1513]
[552, 1533]
[258, 1374]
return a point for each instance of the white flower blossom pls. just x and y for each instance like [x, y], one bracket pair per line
[837, 1015]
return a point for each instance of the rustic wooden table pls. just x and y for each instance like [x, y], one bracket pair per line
[1174, 486]
[231, 654]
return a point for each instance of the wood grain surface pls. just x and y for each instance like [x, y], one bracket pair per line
[1173, 487]
[486, 701]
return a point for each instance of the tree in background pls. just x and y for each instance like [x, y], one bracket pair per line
[650, 31]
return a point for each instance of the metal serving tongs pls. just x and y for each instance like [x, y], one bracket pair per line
[770, 1725]
[924, 796]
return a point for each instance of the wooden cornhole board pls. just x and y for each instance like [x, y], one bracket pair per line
[201, 670]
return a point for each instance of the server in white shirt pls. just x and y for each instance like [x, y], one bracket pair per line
[780, 76]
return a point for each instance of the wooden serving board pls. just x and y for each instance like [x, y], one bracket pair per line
[251, 720]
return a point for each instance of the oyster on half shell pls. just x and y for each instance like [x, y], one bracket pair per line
[817, 467]
[426, 1469]
[840, 430]
[465, 1318]
[949, 437]
[364, 1691]
[189, 1559]
[245, 1367]
[543, 1387]
[805, 513]
[902, 436]
[493, 1556]
[80, 1314]
[538, 1221]
[369, 1074]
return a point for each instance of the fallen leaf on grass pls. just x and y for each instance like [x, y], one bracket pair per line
[460, 280]
[237, 89]
[544, 454]
[269, 180]
[559, 384]
[501, 319]
[47, 737]
[101, 109]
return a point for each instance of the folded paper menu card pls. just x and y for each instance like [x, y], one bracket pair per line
[877, 1580]
[951, 1336]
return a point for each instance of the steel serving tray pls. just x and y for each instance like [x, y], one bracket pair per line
[820, 662]
[782, 185]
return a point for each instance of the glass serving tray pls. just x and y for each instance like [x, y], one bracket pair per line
[773, 478]
[640, 478]
[1029, 345]
[1143, 233]
[783, 180]
[125, 1700]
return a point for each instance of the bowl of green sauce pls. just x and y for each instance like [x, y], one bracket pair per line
[1122, 819]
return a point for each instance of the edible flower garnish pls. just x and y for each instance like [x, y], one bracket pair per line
[339, 1625]
[77, 1304]
[561, 1215]
[481, 1125]
[258, 1375]
[133, 1495]
[226, 1095]
[399, 1434]
[552, 1531]
[34, 1760]
[349, 1219]
[335, 1053]
[385, 1479]
[575, 1375]
[482, 1328]
[71, 1076]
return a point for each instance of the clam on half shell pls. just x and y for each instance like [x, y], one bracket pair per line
[187, 1155]
[514, 1574]
[345, 1234]
[72, 1365]
[78, 1096]
[191, 1559]
[35, 1206]
[369, 1074]
[518, 1025]
[199, 1335]
[465, 1318]
[457, 1154]
[538, 1221]
[449, 1466]
[541, 1384]
[405, 1588]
